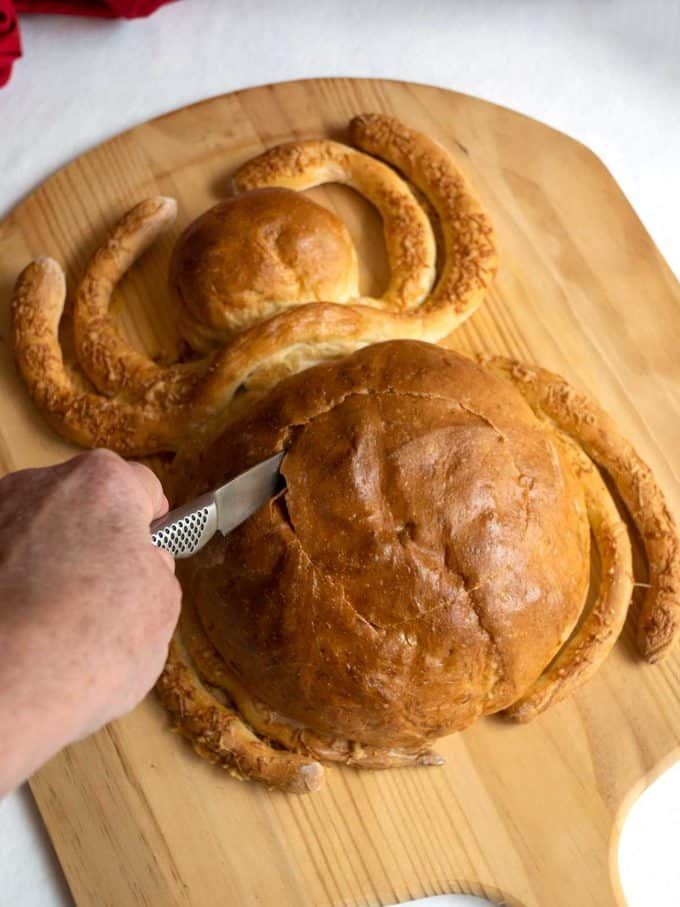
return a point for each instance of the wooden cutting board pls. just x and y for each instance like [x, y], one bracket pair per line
[526, 814]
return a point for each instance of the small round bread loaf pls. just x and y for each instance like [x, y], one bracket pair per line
[427, 559]
[248, 256]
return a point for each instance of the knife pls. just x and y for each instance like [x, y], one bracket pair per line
[187, 529]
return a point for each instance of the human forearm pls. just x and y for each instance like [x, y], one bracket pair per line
[35, 719]
[87, 604]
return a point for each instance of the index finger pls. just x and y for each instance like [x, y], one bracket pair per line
[158, 503]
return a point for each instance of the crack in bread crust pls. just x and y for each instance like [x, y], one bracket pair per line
[352, 390]
[212, 670]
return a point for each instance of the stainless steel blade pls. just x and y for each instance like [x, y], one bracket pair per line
[186, 530]
[240, 498]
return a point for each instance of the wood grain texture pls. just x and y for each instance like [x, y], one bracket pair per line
[529, 813]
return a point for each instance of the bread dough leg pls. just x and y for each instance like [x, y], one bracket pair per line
[553, 399]
[595, 637]
[266, 722]
[217, 732]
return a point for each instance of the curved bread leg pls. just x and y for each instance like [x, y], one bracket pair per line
[176, 403]
[218, 734]
[469, 249]
[152, 417]
[551, 397]
[265, 721]
[111, 364]
[86, 418]
[594, 638]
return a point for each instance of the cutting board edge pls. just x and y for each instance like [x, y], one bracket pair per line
[9, 215]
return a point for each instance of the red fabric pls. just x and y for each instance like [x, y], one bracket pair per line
[10, 42]
[107, 9]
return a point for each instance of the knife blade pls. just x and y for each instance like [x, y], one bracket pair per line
[187, 529]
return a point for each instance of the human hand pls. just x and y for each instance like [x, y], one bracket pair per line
[87, 603]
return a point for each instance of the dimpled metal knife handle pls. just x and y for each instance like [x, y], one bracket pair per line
[186, 530]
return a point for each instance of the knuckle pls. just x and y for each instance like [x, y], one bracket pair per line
[103, 459]
[149, 474]
[103, 469]
[98, 462]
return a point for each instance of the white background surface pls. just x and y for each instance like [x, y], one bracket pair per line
[604, 71]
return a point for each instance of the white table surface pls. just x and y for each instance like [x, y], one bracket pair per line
[604, 71]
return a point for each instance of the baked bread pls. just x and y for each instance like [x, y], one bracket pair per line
[427, 563]
[139, 407]
[428, 558]
[253, 255]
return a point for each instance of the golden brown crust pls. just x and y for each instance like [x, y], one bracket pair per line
[304, 406]
[110, 363]
[409, 239]
[271, 725]
[173, 402]
[469, 250]
[254, 255]
[219, 735]
[427, 560]
[86, 418]
[164, 410]
[579, 417]
[161, 413]
[595, 637]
